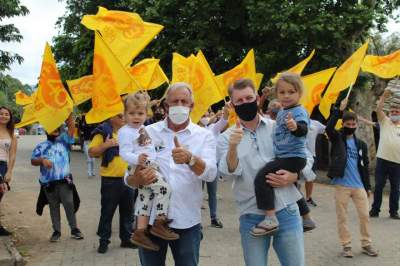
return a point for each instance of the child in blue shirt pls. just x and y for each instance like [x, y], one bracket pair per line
[289, 146]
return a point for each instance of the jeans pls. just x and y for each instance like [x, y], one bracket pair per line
[115, 193]
[288, 241]
[386, 170]
[212, 198]
[185, 250]
[89, 160]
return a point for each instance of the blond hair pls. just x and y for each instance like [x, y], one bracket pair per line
[293, 79]
[137, 100]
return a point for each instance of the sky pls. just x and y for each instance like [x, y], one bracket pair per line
[38, 27]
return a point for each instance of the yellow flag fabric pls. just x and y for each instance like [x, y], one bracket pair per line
[148, 74]
[383, 66]
[344, 77]
[52, 103]
[28, 116]
[314, 85]
[110, 78]
[194, 72]
[246, 69]
[125, 32]
[298, 69]
[22, 99]
[259, 78]
[81, 89]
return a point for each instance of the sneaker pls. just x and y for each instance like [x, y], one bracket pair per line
[103, 247]
[395, 216]
[141, 239]
[161, 229]
[55, 236]
[216, 223]
[308, 225]
[311, 202]
[128, 244]
[4, 232]
[265, 227]
[347, 253]
[76, 234]
[373, 213]
[368, 250]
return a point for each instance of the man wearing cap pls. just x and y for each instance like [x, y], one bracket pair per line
[388, 157]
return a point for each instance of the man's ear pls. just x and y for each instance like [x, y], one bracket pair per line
[191, 106]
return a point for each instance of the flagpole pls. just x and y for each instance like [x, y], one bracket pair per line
[348, 93]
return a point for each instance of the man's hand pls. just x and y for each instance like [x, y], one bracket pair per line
[236, 137]
[110, 142]
[343, 104]
[386, 94]
[3, 188]
[290, 122]
[369, 193]
[266, 90]
[180, 154]
[281, 178]
[225, 111]
[7, 178]
[142, 159]
[142, 177]
[47, 163]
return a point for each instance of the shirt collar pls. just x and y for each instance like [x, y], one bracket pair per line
[261, 121]
[164, 126]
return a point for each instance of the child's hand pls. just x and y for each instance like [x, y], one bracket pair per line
[142, 159]
[290, 122]
[47, 163]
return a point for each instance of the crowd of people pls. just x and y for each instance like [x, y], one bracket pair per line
[155, 168]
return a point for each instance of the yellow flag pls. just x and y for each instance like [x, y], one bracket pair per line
[22, 99]
[52, 102]
[259, 78]
[28, 116]
[81, 89]
[314, 85]
[194, 72]
[298, 69]
[344, 77]
[125, 32]
[383, 66]
[148, 74]
[110, 78]
[216, 91]
[246, 69]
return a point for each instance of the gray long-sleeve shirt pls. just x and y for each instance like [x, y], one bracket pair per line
[254, 151]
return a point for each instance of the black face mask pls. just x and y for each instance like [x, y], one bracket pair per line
[349, 131]
[246, 111]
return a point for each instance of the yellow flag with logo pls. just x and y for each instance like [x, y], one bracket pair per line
[246, 69]
[148, 74]
[52, 103]
[314, 85]
[298, 69]
[110, 78]
[28, 116]
[81, 89]
[125, 32]
[344, 77]
[22, 99]
[382, 66]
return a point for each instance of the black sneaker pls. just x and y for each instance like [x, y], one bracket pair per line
[4, 232]
[395, 216]
[311, 202]
[103, 247]
[128, 244]
[76, 234]
[373, 213]
[216, 223]
[55, 236]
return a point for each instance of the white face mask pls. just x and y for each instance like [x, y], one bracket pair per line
[395, 118]
[178, 114]
[205, 121]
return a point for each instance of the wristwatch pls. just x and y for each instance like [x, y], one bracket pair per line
[192, 161]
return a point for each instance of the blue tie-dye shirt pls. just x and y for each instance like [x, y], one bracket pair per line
[58, 153]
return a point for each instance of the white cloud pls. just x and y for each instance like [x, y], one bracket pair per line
[37, 28]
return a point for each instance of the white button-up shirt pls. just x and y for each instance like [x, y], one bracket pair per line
[186, 190]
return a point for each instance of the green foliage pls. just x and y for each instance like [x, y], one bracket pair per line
[8, 32]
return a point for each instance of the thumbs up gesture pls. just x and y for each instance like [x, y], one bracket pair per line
[110, 142]
[290, 122]
[180, 154]
[236, 136]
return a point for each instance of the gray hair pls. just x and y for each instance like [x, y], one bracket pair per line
[179, 85]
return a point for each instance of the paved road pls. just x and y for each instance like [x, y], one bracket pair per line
[219, 246]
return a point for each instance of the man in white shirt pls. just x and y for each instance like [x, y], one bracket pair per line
[186, 155]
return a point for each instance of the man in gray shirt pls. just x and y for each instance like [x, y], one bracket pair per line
[242, 151]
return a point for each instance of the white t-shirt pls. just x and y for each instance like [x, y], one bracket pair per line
[314, 130]
[389, 142]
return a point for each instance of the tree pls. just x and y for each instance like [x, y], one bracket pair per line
[8, 32]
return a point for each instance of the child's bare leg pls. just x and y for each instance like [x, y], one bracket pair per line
[142, 221]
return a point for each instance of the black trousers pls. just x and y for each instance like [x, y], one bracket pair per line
[265, 196]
